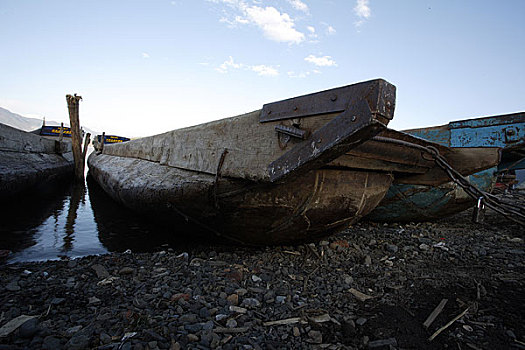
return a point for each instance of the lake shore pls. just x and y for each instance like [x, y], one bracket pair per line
[369, 287]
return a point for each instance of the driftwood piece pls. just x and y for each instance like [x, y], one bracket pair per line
[285, 321]
[436, 333]
[359, 295]
[435, 313]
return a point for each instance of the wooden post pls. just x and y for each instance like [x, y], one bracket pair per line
[61, 132]
[76, 137]
[86, 144]
[102, 140]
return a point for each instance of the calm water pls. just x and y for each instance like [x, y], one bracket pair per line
[76, 220]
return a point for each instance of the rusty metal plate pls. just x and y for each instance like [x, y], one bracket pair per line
[352, 127]
[379, 94]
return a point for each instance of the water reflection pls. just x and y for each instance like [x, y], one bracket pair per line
[72, 220]
[78, 193]
[120, 228]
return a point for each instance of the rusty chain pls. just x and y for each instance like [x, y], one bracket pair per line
[510, 211]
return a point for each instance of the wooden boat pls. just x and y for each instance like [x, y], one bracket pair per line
[408, 199]
[28, 160]
[262, 177]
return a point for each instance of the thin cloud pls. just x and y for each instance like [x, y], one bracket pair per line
[276, 26]
[299, 5]
[321, 61]
[362, 11]
[331, 30]
[261, 69]
[145, 55]
[265, 71]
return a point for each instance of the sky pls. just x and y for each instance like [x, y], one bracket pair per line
[146, 67]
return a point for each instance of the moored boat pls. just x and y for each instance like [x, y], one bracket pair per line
[408, 199]
[262, 177]
[28, 160]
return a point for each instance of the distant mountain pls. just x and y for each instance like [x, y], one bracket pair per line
[29, 124]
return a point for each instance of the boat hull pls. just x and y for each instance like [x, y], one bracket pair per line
[28, 161]
[307, 207]
[415, 203]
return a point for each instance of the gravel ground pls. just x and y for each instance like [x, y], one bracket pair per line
[370, 287]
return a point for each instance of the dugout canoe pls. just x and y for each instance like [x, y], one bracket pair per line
[262, 177]
[496, 143]
[28, 161]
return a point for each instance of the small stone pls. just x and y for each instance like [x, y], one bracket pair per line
[188, 318]
[392, 248]
[126, 271]
[296, 332]
[194, 328]
[105, 338]
[93, 300]
[280, 299]
[72, 264]
[100, 271]
[51, 343]
[193, 338]
[251, 302]
[361, 321]
[177, 296]
[13, 286]
[424, 246]
[256, 278]
[231, 323]
[29, 328]
[72, 330]
[467, 328]
[239, 310]
[348, 329]
[204, 312]
[233, 299]
[220, 317]
[368, 260]
[208, 326]
[152, 344]
[316, 337]
[389, 263]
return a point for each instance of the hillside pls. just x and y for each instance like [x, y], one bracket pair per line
[29, 124]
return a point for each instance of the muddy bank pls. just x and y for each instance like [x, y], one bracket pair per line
[370, 287]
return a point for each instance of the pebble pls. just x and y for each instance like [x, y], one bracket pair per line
[100, 271]
[424, 246]
[251, 303]
[29, 328]
[126, 271]
[233, 299]
[392, 248]
[51, 343]
[13, 286]
[315, 337]
[361, 321]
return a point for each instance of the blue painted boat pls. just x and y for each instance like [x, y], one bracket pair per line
[408, 201]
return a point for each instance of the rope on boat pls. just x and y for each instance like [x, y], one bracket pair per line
[510, 211]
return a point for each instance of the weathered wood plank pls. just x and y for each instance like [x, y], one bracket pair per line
[252, 146]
